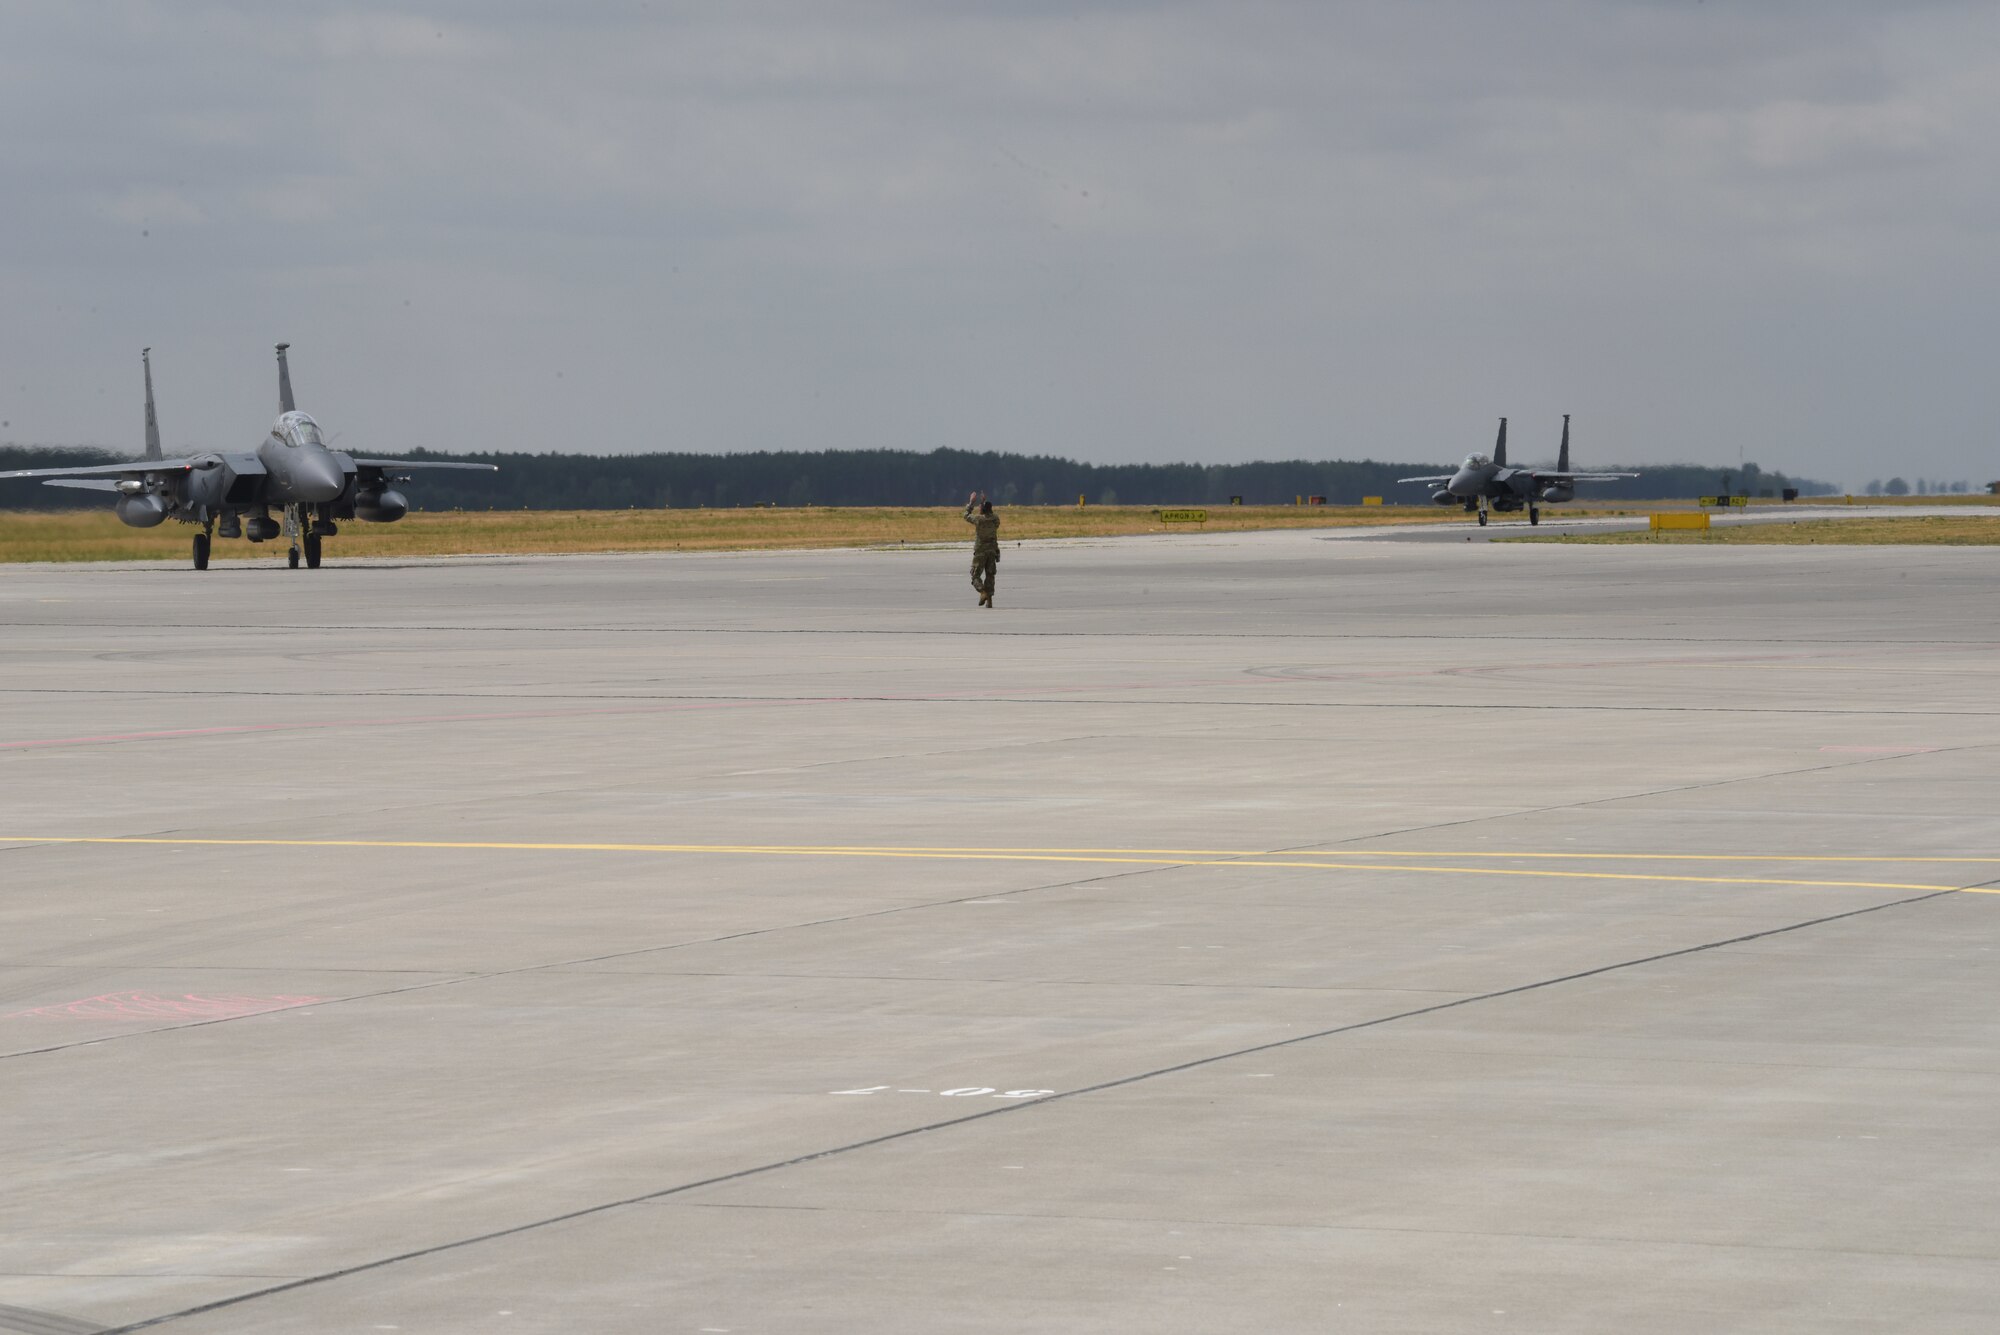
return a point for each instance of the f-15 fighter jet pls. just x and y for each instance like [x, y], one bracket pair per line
[232, 495]
[1481, 482]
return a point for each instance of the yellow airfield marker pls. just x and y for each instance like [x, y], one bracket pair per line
[1114, 857]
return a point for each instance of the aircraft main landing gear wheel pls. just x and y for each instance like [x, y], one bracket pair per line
[1534, 515]
[312, 551]
[1482, 519]
[201, 551]
[292, 558]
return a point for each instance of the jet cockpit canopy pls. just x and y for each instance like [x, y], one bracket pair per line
[297, 428]
[1477, 461]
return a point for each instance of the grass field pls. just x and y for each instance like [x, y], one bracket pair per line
[96, 535]
[78, 535]
[1972, 530]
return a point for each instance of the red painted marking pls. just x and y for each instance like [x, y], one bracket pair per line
[148, 1006]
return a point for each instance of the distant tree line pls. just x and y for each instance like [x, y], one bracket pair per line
[906, 477]
[1924, 486]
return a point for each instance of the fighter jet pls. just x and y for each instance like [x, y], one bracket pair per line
[1481, 482]
[232, 495]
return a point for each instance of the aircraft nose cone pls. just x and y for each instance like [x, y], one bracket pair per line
[316, 478]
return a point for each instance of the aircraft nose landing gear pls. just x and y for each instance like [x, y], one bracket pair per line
[304, 530]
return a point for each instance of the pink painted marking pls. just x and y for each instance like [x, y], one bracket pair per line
[148, 1006]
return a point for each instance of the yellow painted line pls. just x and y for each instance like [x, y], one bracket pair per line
[1683, 857]
[1136, 857]
[1163, 855]
[1174, 854]
[1181, 854]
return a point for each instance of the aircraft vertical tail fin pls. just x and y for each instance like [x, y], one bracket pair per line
[285, 404]
[152, 418]
[1562, 459]
[1500, 445]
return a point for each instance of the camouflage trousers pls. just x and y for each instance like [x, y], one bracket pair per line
[985, 565]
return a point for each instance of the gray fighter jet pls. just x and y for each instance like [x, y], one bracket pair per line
[1481, 482]
[232, 495]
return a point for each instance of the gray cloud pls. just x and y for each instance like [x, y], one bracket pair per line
[1118, 231]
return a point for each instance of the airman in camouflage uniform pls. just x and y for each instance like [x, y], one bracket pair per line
[985, 545]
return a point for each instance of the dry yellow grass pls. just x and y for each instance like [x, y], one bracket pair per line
[98, 536]
[1975, 530]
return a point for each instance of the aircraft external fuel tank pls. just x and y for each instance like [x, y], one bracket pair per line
[142, 511]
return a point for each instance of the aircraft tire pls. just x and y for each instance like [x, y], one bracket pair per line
[1534, 516]
[312, 551]
[1482, 519]
[292, 558]
[201, 551]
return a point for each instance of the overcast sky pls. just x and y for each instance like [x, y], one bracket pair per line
[1122, 231]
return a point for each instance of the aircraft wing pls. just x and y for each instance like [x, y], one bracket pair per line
[1445, 478]
[423, 463]
[1542, 475]
[135, 468]
[82, 483]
